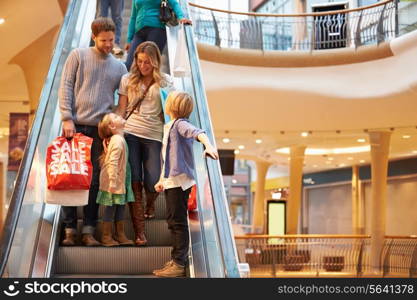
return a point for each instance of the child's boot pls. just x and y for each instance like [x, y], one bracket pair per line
[137, 214]
[70, 237]
[120, 235]
[150, 205]
[106, 237]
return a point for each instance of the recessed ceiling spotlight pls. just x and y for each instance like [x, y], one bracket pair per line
[304, 134]
[361, 140]
[2, 21]
[330, 158]
[258, 141]
[362, 161]
[342, 165]
[226, 140]
[415, 151]
[241, 147]
[406, 136]
[237, 151]
[315, 166]
[234, 181]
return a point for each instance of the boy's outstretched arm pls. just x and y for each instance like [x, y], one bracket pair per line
[210, 149]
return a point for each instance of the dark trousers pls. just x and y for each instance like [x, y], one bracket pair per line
[91, 209]
[176, 200]
[145, 160]
[154, 34]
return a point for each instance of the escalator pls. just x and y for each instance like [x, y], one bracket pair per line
[29, 245]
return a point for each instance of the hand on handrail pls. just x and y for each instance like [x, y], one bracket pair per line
[185, 21]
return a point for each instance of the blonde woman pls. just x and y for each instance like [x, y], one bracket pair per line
[140, 103]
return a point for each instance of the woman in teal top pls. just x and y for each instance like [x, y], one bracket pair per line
[144, 25]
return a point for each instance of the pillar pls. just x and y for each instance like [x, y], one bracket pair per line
[294, 199]
[259, 205]
[379, 141]
[356, 205]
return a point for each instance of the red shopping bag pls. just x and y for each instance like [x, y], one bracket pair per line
[192, 199]
[68, 163]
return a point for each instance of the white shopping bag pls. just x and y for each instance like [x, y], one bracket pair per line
[181, 66]
[67, 197]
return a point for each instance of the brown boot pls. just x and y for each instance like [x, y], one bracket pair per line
[120, 235]
[137, 214]
[70, 236]
[106, 236]
[88, 240]
[150, 205]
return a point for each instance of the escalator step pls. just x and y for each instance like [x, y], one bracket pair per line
[116, 260]
[156, 232]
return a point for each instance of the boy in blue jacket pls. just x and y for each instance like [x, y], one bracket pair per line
[177, 176]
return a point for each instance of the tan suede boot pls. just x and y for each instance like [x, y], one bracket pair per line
[137, 214]
[70, 236]
[106, 236]
[120, 235]
[150, 205]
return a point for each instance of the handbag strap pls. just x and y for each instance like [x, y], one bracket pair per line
[137, 105]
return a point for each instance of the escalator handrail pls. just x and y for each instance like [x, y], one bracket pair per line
[17, 197]
[223, 223]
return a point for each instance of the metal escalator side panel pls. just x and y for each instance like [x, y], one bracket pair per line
[28, 217]
[220, 255]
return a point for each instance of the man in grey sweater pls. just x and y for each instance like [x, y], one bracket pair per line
[89, 80]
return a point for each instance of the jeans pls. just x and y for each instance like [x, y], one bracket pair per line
[116, 7]
[145, 160]
[115, 212]
[176, 200]
[154, 34]
[90, 210]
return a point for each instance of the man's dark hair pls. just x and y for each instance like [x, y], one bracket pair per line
[102, 24]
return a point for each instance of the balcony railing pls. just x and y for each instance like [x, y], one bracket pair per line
[366, 25]
[325, 255]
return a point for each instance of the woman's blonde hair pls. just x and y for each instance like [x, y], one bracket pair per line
[105, 133]
[180, 104]
[152, 50]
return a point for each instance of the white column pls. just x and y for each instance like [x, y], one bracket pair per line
[380, 141]
[356, 207]
[294, 199]
[259, 205]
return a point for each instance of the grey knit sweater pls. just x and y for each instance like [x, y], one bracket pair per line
[88, 84]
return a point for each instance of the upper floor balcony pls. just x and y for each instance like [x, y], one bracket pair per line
[324, 29]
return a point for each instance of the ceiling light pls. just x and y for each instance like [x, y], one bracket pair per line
[304, 134]
[234, 181]
[361, 140]
[342, 165]
[241, 147]
[362, 161]
[315, 166]
[323, 151]
[237, 151]
[414, 151]
[2, 21]
[330, 158]
[406, 136]
[226, 140]
[258, 141]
